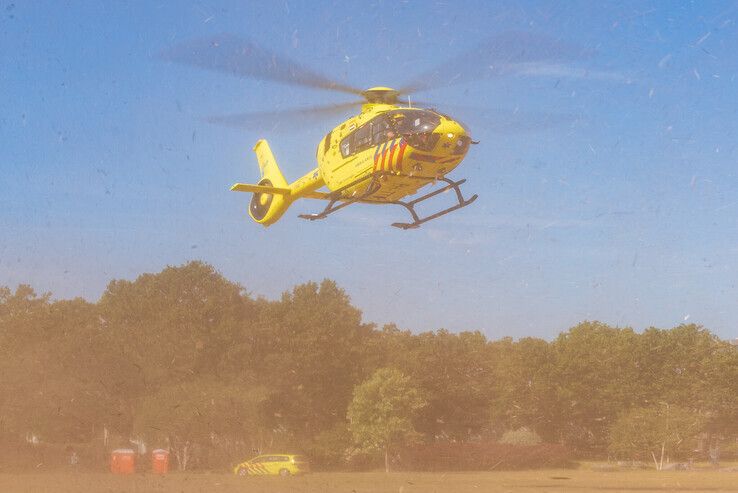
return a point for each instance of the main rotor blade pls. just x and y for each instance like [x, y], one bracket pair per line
[243, 58]
[514, 121]
[501, 120]
[496, 56]
[290, 117]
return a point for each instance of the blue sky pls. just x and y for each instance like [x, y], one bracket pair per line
[623, 209]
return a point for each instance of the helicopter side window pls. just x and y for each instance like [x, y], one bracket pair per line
[380, 127]
[358, 141]
[346, 145]
[362, 138]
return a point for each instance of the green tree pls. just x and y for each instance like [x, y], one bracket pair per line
[596, 374]
[676, 364]
[453, 371]
[200, 413]
[24, 318]
[721, 383]
[63, 382]
[176, 323]
[382, 411]
[309, 347]
[656, 432]
[330, 447]
[524, 386]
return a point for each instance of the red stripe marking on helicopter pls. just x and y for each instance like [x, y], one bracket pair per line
[403, 145]
[391, 154]
[384, 155]
[376, 157]
[381, 153]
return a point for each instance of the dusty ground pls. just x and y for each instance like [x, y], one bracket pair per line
[580, 480]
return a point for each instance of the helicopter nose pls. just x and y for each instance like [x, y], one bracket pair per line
[453, 137]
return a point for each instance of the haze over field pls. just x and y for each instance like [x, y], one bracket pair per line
[185, 359]
[606, 181]
[555, 481]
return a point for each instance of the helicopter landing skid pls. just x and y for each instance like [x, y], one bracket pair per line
[365, 197]
[410, 206]
[336, 197]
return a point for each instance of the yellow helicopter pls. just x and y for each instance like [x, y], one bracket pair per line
[383, 155]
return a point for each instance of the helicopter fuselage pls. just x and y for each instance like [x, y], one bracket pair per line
[404, 145]
[407, 148]
[385, 153]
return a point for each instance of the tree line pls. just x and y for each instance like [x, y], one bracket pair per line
[189, 360]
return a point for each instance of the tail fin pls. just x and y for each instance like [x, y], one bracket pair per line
[272, 196]
[268, 165]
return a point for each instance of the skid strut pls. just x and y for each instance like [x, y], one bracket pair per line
[410, 206]
[336, 197]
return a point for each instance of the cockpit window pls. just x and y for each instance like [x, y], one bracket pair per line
[413, 121]
[414, 124]
[408, 123]
[380, 128]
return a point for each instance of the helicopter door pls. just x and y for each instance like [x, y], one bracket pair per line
[350, 146]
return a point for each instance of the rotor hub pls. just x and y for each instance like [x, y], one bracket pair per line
[381, 95]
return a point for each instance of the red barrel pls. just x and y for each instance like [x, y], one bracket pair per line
[160, 461]
[123, 461]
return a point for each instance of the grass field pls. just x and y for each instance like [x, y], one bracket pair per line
[579, 480]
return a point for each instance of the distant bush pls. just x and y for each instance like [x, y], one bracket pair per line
[729, 450]
[18, 455]
[329, 449]
[483, 456]
[521, 436]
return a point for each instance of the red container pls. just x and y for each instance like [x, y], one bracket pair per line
[123, 461]
[160, 461]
